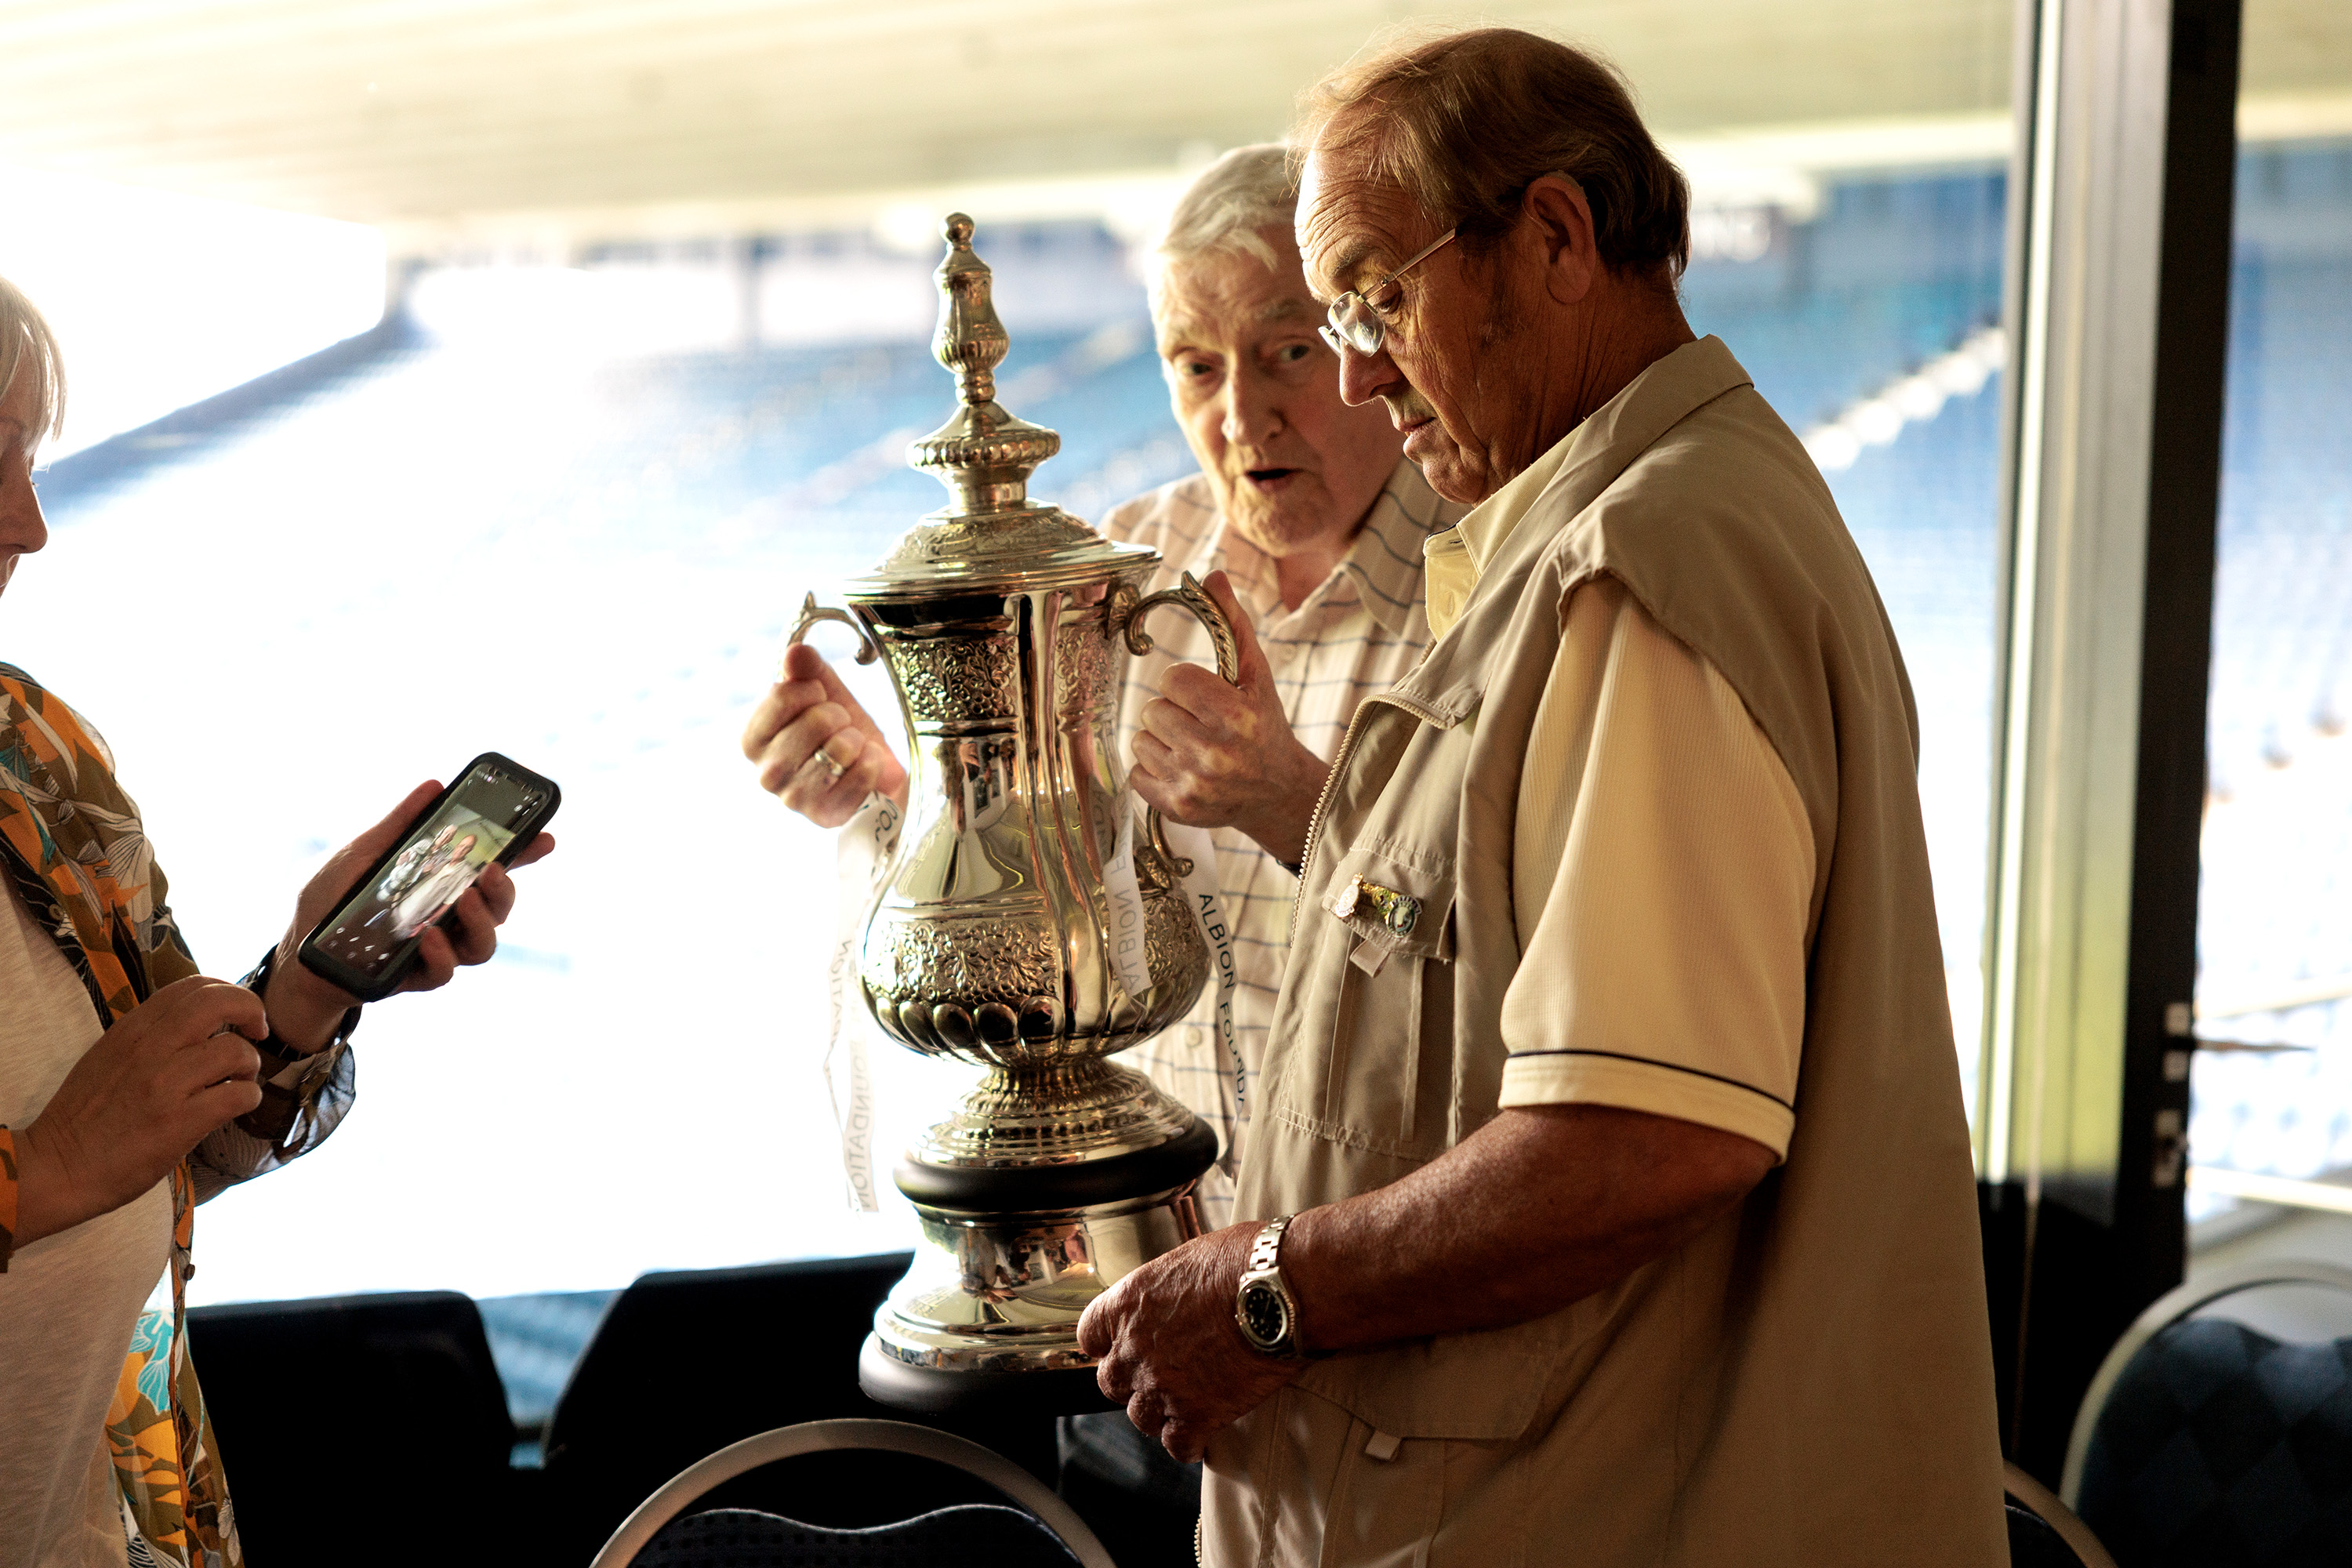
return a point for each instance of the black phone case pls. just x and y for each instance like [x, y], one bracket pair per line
[333, 970]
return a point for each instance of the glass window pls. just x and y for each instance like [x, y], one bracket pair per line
[2272, 1080]
[567, 512]
[1848, 246]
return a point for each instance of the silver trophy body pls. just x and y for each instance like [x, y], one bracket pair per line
[1004, 931]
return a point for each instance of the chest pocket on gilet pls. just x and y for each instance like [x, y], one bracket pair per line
[1380, 1072]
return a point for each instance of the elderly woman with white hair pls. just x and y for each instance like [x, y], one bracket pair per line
[131, 1088]
[1307, 525]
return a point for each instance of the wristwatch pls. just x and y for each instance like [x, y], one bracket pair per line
[1263, 1306]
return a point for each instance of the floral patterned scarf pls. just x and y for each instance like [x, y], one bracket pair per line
[71, 841]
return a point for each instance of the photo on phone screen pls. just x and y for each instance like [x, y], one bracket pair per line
[471, 826]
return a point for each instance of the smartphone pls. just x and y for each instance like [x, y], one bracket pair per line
[487, 817]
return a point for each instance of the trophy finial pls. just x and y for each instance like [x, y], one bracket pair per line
[971, 340]
[982, 454]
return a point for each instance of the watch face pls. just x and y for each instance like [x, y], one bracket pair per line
[1265, 1317]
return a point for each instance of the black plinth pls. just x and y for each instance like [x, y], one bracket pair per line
[1038, 1189]
[886, 1380]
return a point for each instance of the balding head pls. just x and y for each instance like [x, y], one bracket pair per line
[1508, 237]
[1463, 125]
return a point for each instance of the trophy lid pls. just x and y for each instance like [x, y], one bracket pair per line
[989, 532]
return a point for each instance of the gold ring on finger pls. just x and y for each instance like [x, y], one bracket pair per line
[823, 759]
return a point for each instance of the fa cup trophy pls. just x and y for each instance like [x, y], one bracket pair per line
[1026, 922]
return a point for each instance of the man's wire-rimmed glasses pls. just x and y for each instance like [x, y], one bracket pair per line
[1357, 322]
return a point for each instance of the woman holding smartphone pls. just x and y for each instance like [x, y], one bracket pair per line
[131, 1088]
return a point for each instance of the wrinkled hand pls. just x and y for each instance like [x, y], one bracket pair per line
[305, 1008]
[1215, 755]
[149, 1091]
[808, 711]
[1169, 1347]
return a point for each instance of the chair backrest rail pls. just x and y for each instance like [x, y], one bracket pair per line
[819, 1436]
[2038, 1499]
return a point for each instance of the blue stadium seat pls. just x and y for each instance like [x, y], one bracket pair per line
[2205, 1440]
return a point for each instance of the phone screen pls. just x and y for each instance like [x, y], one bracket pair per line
[470, 827]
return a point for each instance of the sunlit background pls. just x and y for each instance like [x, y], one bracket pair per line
[448, 379]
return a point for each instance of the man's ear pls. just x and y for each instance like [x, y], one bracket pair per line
[1560, 220]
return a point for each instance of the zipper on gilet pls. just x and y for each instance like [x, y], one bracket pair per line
[1323, 798]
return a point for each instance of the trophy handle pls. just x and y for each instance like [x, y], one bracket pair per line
[811, 612]
[1127, 615]
[868, 650]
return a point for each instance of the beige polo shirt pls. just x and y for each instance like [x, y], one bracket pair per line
[1661, 867]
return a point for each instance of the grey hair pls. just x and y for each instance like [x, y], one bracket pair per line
[1248, 189]
[26, 339]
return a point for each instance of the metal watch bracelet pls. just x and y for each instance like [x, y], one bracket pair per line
[1264, 1308]
[1267, 1249]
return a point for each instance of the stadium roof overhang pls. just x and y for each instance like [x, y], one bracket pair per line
[445, 121]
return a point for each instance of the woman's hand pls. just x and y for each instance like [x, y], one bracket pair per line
[304, 1008]
[1214, 755]
[149, 1091]
[810, 712]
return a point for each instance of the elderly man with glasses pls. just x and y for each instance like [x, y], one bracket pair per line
[1610, 1199]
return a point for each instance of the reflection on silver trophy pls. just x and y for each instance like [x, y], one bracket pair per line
[1032, 920]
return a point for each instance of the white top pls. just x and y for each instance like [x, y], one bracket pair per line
[1662, 868]
[68, 1302]
[1361, 630]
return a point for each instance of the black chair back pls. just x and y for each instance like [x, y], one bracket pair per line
[299, 1390]
[685, 1362]
[2218, 1430]
[2220, 1445]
